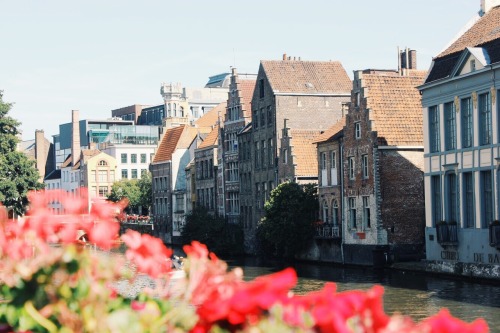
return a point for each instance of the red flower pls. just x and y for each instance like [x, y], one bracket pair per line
[104, 234]
[443, 322]
[148, 253]
[196, 250]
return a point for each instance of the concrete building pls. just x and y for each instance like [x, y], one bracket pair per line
[462, 154]
[237, 116]
[309, 95]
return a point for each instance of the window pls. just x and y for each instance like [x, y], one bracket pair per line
[325, 212]
[351, 168]
[179, 203]
[352, 212]
[262, 118]
[124, 173]
[112, 176]
[143, 158]
[233, 171]
[323, 161]
[93, 176]
[264, 153]
[333, 159]
[366, 212]
[257, 155]
[450, 126]
[285, 156]
[133, 158]
[335, 213]
[452, 197]
[102, 163]
[365, 166]
[466, 111]
[269, 116]
[485, 119]
[211, 168]
[357, 130]
[124, 158]
[103, 191]
[234, 202]
[434, 129]
[255, 120]
[261, 88]
[103, 176]
[486, 198]
[271, 152]
[436, 199]
[134, 174]
[472, 65]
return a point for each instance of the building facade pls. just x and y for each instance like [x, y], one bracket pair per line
[462, 154]
[307, 95]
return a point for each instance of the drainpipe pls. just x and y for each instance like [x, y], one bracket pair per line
[342, 197]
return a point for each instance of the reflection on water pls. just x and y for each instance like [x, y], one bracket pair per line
[409, 293]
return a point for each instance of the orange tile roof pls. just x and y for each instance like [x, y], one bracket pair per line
[168, 144]
[307, 77]
[187, 137]
[246, 92]
[304, 152]
[395, 108]
[331, 132]
[210, 118]
[486, 29]
[211, 139]
[67, 162]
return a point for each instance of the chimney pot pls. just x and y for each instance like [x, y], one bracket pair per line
[284, 56]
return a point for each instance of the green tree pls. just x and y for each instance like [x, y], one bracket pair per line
[137, 191]
[18, 174]
[127, 188]
[288, 225]
[215, 232]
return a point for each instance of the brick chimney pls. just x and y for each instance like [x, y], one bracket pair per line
[486, 5]
[408, 59]
[75, 137]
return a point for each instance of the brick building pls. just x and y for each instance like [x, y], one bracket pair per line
[383, 167]
[237, 116]
[205, 161]
[309, 95]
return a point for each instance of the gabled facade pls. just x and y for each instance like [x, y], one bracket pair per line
[308, 95]
[237, 116]
[205, 158]
[462, 140]
[383, 168]
[98, 173]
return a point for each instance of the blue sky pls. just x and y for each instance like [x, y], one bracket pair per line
[95, 56]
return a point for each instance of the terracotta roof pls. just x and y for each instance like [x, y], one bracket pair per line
[88, 153]
[210, 118]
[331, 132]
[485, 33]
[395, 108]
[307, 77]
[168, 144]
[304, 152]
[187, 138]
[211, 139]
[67, 162]
[246, 92]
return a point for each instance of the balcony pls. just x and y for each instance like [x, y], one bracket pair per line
[327, 231]
[447, 233]
[495, 234]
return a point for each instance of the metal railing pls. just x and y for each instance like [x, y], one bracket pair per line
[328, 232]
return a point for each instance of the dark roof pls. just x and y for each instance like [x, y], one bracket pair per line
[55, 174]
[484, 33]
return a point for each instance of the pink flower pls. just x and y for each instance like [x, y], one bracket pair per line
[196, 250]
[148, 253]
[104, 234]
[443, 322]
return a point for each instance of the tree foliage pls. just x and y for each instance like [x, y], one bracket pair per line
[287, 227]
[18, 174]
[220, 236]
[137, 191]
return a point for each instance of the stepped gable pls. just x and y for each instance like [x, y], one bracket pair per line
[331, 132]
[395, 108]
[485, 33]
[304, 152]
[168, 144]
[307, 77]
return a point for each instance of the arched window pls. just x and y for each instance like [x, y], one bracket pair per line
[335, 212]
[102, 163]
[325, 212]
[181, 112]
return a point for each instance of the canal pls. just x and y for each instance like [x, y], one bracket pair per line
[409, 293]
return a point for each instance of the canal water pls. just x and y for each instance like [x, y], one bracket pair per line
[409, 293]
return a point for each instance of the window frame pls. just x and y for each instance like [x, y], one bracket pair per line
[450, 123]
[434, 133]
[467, 122]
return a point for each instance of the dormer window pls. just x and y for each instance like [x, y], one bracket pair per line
[472, 65]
